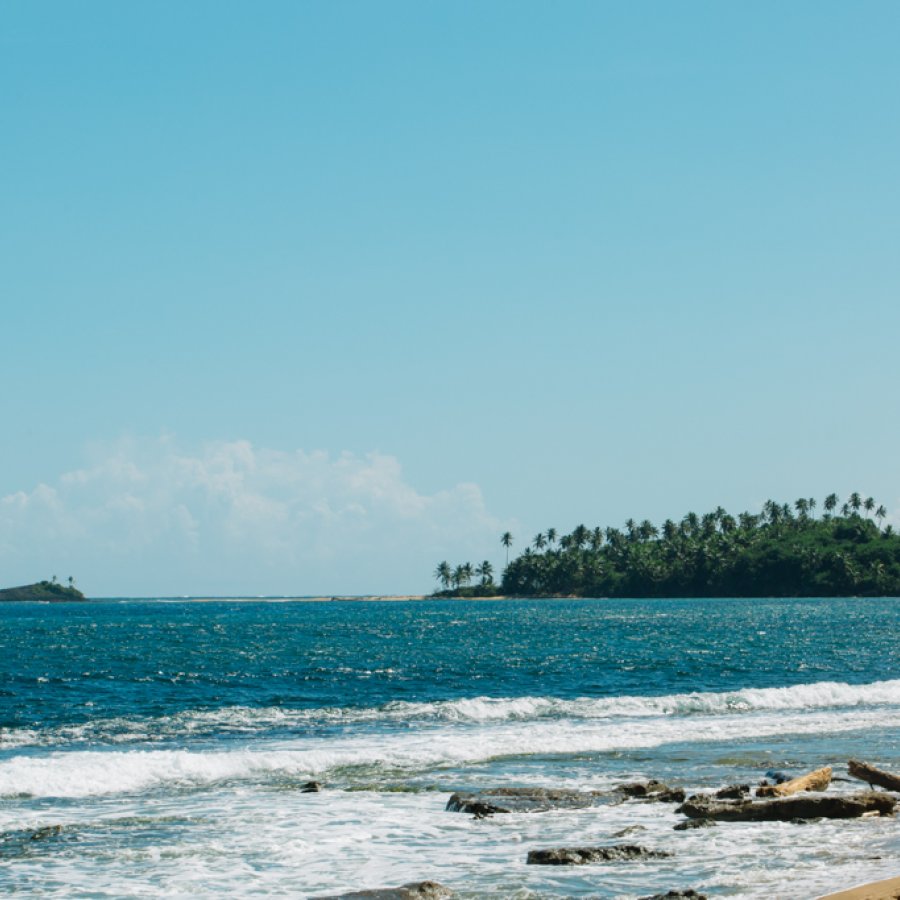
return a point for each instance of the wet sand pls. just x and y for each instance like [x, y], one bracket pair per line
[874, 890]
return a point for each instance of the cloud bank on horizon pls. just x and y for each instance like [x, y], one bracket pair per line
[148, 517]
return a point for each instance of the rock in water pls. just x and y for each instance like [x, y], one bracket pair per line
[416, 890]
[733, 792]
[786, 809]
[651, 790]
[507, 800]
[689, 894]
[690, 824]
[579, 856]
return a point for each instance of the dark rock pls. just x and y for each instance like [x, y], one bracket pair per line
[631, 829]
[579, 856]
[508, 800]
[47, 831]
[733, 792]
[689, 894]
[651, 790]
[690, 824]
[785, 809]
[416, 890]
[311, 787]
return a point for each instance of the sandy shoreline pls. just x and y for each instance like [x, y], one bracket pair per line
[889, 889]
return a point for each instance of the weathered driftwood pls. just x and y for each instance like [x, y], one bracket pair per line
[872, 776]
[812, 781]
[579, 856]
[784, 809]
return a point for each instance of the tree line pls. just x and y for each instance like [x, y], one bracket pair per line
[784, 550]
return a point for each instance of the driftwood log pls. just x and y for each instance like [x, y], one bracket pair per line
[872, 776]
[784, 809]
[812, 781]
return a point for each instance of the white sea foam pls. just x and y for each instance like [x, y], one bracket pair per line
[249, 720]
[82, 773]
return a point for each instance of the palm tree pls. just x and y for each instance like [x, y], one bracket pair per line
[830, 504]
[869, 505]
[855, 502]
[486, 573]
[880, 513]
[507, 540]
[802, 507]
[539, 541]
[444, 574]
[580, 536]
[551, 536]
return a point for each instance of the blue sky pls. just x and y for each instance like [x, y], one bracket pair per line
[386, 279]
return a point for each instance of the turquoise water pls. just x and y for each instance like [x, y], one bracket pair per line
[170, 741]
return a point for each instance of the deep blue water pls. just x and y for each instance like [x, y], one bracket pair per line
[153, 658]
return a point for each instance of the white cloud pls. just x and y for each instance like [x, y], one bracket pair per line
[149, 517]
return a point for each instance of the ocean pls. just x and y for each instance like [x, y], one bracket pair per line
[170, 742]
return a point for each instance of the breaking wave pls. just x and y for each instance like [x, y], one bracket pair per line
[240, 720]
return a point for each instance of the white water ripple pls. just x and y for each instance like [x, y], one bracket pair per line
[84, 773]
[477, 710]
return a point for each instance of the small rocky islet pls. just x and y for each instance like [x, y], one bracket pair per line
[43, 592]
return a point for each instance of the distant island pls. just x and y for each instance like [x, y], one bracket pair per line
[45, 591]
[784, 551]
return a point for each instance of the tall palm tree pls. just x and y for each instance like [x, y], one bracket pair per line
[869, 505]
[467, 572]
[507, 540]
[444, 574]
[855, 502]
[551, 536]
[539, 541]
[830, 504]
[880, 513]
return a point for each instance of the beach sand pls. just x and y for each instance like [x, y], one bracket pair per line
[874, 890]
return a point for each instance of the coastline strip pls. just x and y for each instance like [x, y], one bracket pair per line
[889, 889]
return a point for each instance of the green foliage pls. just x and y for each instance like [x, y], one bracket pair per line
[51, 591]
[785, 551]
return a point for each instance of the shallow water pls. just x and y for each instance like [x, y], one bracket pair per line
[171, 742]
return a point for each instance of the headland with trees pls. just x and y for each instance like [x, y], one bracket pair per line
[785, 550]
[44, 592]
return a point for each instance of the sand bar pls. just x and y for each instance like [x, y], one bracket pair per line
[874, 890]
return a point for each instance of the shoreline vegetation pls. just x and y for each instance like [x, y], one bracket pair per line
[786, 550]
